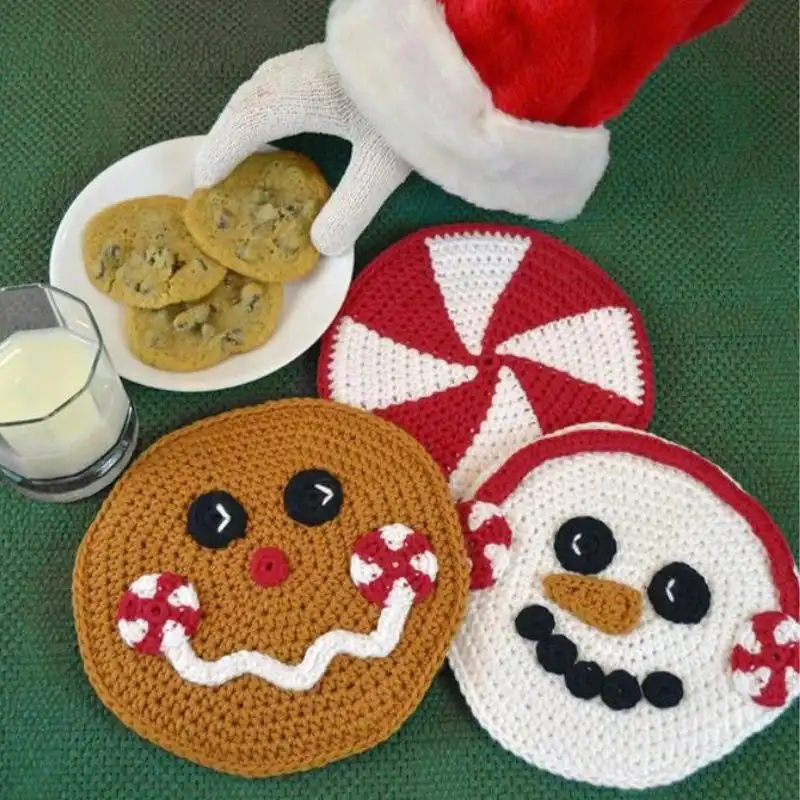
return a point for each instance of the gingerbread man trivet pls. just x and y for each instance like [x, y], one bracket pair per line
[272, 589]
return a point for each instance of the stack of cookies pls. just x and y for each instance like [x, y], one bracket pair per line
[201, 280]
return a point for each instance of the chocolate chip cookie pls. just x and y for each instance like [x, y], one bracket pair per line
[238, 316]
[140, 253]
[257, 221]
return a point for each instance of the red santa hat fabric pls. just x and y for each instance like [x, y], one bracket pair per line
[502, 102]
[574, 62]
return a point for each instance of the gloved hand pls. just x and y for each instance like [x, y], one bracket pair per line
[500, 102]
[296, 93]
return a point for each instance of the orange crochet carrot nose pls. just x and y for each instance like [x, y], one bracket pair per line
[609, 606]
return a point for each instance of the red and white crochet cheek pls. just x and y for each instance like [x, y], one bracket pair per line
[157, 609]
[487, 537]
[394, 567]
[393, 560]
[766, 659]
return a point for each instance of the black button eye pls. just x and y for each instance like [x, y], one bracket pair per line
[679, 594]
[313, 497]
[585, 545]
[216, 519]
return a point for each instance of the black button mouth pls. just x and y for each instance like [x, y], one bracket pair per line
[584, 679]
[535, 623]
[618, 690]
[662, 689]
[621, 690]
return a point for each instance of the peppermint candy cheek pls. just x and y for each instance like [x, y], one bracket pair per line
[487, 538]
[157, 610]
[766, 659]
[390, 559]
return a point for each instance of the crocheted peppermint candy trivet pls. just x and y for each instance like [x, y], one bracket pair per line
[477, 339]
[273, 589]
[646, 623]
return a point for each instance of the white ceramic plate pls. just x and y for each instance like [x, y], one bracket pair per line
[167, 168]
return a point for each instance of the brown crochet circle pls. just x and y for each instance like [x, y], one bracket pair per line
[248, 726]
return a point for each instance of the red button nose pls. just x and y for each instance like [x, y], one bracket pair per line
[269, 566]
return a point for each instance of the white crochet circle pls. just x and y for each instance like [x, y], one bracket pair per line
[658, 515]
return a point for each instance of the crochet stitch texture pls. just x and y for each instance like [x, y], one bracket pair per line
[384, 579]
[479, 339]
[701, 576]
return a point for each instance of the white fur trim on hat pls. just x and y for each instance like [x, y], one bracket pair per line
[403, 68]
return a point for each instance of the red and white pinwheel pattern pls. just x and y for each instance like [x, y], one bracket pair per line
[766, 659]
[479, 339]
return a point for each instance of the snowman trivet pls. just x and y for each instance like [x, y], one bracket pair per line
[477, 339]
[646, 621]
[273, 589]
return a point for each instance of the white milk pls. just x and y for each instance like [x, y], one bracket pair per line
[39, 371]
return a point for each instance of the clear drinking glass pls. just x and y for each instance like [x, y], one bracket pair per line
[67, 427]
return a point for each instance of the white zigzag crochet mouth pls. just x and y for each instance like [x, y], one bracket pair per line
[178, 650]
[392, 566]
[618, 690]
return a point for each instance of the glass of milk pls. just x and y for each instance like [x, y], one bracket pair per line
[67, 427]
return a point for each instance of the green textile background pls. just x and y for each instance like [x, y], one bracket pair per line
[696, 218]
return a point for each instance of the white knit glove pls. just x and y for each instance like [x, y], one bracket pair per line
[296, 93]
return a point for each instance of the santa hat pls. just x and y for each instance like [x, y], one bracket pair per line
[502, 102]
